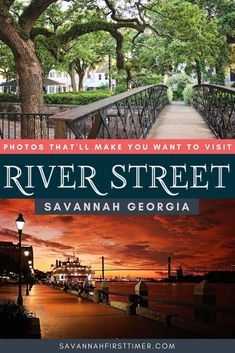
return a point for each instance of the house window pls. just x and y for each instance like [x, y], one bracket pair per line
[51, 89]
[100, 77]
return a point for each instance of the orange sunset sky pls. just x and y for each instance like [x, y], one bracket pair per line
[126, 242]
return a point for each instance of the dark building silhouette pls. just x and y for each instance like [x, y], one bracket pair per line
[179, 273]
[9, 257]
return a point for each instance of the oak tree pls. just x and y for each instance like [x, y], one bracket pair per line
[19, 29]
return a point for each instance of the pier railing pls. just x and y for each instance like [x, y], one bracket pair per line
[204, 307]
[217, 106]
[127, 115]
[202, 315]
[28, 125]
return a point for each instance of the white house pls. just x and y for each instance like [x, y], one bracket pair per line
[2, 79]
[93, 79]
[61, 77]
[229, 76]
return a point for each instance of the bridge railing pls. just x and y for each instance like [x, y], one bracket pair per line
[217, 106]
[127, 115]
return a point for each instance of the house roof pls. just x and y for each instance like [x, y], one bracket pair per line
[46, 82]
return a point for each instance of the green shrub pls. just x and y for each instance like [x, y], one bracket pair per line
[188, 94]
[217, 79]
[121, 87]
[8, 97]
[77, 98]
[178, 94]
[178, 82]
[10, 311]
[103, 88]
[15, 320]
[170, 94]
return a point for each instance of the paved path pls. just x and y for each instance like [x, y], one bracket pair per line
[63, 315]
[179, 121]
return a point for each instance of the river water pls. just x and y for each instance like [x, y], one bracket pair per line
[225, 297]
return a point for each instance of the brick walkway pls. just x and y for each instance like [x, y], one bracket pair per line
[63, 315]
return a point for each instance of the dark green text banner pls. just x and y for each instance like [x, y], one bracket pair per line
[117, 176]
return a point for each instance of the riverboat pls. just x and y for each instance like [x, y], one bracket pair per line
[71, 272]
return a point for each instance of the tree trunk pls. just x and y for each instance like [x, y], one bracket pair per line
[29, 71]
[72, 73]
[80, 68]
[31, 94]
[81, 75]
[198, 72]
[128, 77]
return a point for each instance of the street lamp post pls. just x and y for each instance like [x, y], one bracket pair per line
[26, 253]
[20, 225]
[30, 284]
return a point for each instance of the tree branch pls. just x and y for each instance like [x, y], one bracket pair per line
[9, 3]
[40, 31]
[144, 46]
[10, 36]
[32, 12]
[80, 29]
[5, 5]
[152, 8]
[115, 17]
[135, 37]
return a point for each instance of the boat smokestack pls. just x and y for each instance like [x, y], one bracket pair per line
[169, 267]
[102, 267]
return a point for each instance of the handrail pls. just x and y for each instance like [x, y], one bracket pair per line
[182, 303]
[126, 115]
[90, 108]
[216, 104]
[223, 88]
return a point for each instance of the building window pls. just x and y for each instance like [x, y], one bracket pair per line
[100, 77]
